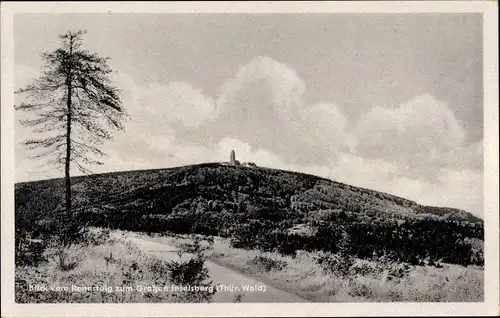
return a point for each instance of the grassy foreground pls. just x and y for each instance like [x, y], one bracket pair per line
[108, 272]
[116, 271]
[370, 281]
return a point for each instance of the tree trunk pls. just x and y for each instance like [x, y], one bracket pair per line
[67, 165]
[68, 155]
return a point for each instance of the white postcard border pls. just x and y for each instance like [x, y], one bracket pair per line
[490, 306]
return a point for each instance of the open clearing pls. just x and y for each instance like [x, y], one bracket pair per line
[302, 275]
[221, 275]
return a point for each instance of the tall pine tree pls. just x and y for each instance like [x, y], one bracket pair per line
[73, 106]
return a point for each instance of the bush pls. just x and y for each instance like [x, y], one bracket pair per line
[367, 269]
[250, 235]
[96, 237]
[65, 257]
[289, 244]
[191, 274]
[337, 264]
[398, 271]
[237, 298]
[195, 247]
[131, 273]
[267, 264]
[359, 289]
[26, 276]
[29, 252]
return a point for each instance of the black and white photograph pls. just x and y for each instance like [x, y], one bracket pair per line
[250, 157]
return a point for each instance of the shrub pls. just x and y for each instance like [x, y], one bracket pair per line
[245, 236]
[367, 269]
[131, 273]
[191, 273]
[195, 247]
[398, 271]
[96, 237]
[237, 298]
[26, 276]
[65, 257]
[337, 264]
[267, 264]
[359, 289]
[29, 252]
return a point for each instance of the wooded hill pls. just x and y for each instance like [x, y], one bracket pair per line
[259, 208]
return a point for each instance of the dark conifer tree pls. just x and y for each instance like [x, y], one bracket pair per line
[73, 105]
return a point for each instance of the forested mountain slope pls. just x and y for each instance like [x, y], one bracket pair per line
[254, 205]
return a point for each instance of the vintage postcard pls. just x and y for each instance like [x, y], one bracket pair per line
[249, 159]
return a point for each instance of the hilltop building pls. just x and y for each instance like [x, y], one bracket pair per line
[234, 162]
[232, 158]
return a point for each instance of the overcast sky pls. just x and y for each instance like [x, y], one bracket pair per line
[388, 102]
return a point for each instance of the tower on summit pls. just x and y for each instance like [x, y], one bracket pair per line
[232, 158]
